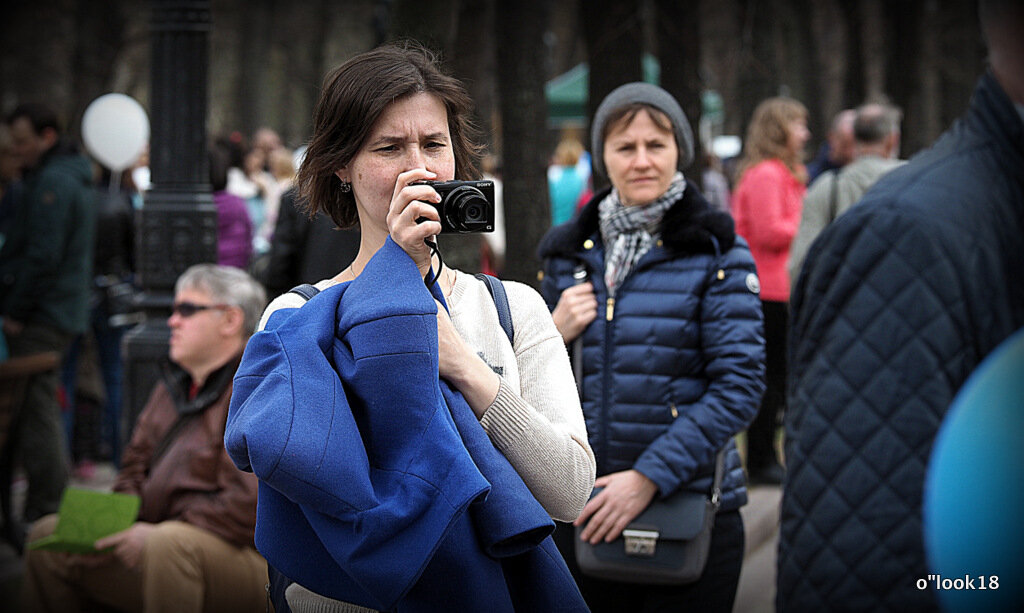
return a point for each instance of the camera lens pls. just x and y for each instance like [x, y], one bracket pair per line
[474, 212]
[466, 209]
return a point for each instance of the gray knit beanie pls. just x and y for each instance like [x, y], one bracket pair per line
[648, 94]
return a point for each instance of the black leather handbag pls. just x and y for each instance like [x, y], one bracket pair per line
[667, 544]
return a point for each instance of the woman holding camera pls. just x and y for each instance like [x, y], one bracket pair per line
[661, 295]
[388, 122]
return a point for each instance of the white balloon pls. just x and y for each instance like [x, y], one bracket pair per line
[115, 129]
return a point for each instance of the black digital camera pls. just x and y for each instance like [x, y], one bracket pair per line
[466, 206]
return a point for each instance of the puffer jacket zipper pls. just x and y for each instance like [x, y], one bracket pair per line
[606, 370]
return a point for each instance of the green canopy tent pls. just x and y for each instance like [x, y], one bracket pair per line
[567, 93]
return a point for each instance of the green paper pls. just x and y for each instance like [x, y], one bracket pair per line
[85, 516]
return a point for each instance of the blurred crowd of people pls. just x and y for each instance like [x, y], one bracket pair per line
[67, 229]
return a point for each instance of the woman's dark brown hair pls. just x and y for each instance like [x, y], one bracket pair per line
[354, 96]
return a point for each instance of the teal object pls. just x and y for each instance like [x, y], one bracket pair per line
[712, 106]
[974, 490]
[565, 184]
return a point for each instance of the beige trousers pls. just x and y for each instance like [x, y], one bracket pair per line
[183, 568]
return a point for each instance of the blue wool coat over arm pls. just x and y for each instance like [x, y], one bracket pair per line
[377, 482]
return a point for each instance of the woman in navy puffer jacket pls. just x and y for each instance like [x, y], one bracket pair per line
[673, 343]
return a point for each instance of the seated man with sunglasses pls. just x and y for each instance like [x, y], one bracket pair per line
[191, 548]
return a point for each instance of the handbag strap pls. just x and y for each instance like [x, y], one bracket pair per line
[579, 275]
[497, 291]
[716, 484]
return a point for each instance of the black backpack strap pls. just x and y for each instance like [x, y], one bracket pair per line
[305, 290]
[497, 291]
[833, 200]
[494, 286]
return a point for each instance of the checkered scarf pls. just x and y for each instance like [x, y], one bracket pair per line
[629, 231]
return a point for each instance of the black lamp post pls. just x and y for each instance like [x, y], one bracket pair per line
[177, 226]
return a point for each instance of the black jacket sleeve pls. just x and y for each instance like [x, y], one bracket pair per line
[290, 234]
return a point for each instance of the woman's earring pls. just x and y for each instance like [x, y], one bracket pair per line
[346, 187]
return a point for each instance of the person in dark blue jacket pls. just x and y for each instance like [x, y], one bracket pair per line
[898, 302]
[672, 341]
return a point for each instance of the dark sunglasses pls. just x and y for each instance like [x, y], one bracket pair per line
[187, 309]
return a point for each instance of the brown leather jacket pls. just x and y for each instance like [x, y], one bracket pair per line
[190, 476]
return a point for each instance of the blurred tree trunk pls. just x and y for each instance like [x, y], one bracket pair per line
[257, 28]
[38, 42]
[796, 53]
[928, 107]
[431, 23]
[904, 31]
[361, 26]
[836, 69]
[855, 58]
[611, 29]
[566, 49]
[303, 44]
[472, 61]
[869, 38]
[758, 65]
[99, 37]
[227, 19]
[131, 66]
[721, 28]
[519, 39]
[66, 53]
[677, 30]
[936, 55]
[961, 60]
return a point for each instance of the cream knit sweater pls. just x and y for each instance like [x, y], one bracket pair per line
[535, 420]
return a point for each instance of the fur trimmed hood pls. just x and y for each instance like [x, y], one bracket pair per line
[691, 225]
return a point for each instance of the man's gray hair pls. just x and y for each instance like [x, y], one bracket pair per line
[228, 285]
[875, 122]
